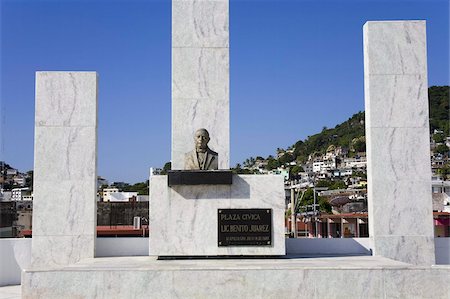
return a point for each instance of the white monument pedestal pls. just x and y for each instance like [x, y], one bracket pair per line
[147, 277]
[184, 218]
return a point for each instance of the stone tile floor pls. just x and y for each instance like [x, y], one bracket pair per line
[11, 292]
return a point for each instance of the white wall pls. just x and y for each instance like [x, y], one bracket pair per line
[15, 254]
[328, 246]
[442, 249]
[121, 247]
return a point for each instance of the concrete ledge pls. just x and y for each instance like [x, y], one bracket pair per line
[136, 277]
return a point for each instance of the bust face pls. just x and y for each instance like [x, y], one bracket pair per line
[201, 140]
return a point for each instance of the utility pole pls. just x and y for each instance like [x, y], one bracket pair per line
[293, 215]
[315, 214]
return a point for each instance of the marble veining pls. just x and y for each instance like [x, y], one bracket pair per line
[65, 168]
[74, 216]
[188, 115]
[61, 98]
[404, 154]
[200, 73]
[200, 77]
[184, 218]
[139, 277]
[54, 251]
[402, 101]
[395, 47]
[397, 134]
[200, 23]
[65, 153]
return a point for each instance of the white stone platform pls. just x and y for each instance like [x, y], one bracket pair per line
[290, 277]
[183, 219]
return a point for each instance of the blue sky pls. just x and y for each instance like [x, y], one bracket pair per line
[295, 67]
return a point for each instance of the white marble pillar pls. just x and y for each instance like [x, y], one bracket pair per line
[200, 77]
[65, 168]
[398, 141]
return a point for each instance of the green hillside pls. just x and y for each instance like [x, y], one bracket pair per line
[351, 133]
[438, 99]
[347, 135]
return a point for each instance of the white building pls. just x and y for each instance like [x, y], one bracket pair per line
[122, 196]
[19, 180]
[106, 194]
[5, 195]
[11, 172]
[324, 165]
[18, 193]
[281, 171]
[439, 186]
[143, 198]
[359, 162]
[342, 172]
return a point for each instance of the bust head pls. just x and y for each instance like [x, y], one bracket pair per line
[201, 139]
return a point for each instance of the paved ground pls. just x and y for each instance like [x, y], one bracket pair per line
[10, 292]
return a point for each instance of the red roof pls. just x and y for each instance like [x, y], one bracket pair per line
[107, 231]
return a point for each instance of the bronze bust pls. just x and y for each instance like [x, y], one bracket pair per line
[202, 157]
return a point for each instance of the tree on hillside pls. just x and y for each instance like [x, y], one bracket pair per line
[442, 149]
[166, 167]
[438, 99]
[272, 163]
[295, 170]
[308, 199]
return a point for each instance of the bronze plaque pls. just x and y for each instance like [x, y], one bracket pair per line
[244, 227]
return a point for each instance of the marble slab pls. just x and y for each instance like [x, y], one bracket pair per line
[200, 77]
[65, 168]
[200, 73]
[400, 101]
[395, 47]
[184, 218]
[409, 249]
[404, 154]
[63, 98]
[64, 212]
[144, 277]
[200, 23]
[397, 141]
[52, 251]
[188, 115]
[65, 153]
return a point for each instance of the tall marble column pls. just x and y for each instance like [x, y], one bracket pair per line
[65, 168]
[398, 141]
[200, 77]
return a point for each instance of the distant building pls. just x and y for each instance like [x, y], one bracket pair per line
[106, 193]
[11, 172]
[439, 186]
[18, 193]
[284, 172]
[101, 181]
[357, 162]
[27, 197]
[317, 165]
[19, 180]
[5, 195]
[324, 165]
[308, 167]
[122, 196]
[342, 172]
[143, 198]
